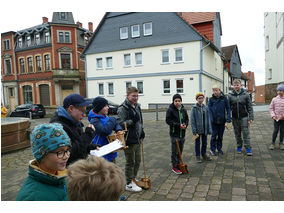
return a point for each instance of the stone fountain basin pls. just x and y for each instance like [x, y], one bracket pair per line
[14, 133]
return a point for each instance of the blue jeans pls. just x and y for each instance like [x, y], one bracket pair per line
[203, 146]
[217, 137]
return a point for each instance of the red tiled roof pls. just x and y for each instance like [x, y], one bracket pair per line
[199, 17]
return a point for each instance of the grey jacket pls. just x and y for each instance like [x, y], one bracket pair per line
[241, 105]
[196, 120]
[133, 118]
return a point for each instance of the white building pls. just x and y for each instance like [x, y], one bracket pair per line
[159, 53]
[274, 47]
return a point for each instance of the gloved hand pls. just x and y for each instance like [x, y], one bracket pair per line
[92, 146]
[142, 136]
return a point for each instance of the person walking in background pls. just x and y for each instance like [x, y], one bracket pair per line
[70, 116]
[201, 125]
[46, 180]
[277, 114]
[177, 119]
[4, 111]
[242, 116]
[103, 124]
[130, 112]
[220, 113]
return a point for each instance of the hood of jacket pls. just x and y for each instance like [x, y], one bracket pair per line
[63, 113]
[45, 177]
[221, 96]
[92, 115]
[241, 92]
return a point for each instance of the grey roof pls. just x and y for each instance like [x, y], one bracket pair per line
[56, 18]
[167, 27]
[31, 30]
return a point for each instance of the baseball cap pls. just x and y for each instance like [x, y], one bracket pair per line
[75, 100]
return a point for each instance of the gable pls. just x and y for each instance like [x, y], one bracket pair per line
[167, 28]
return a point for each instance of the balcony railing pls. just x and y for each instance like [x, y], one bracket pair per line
[66, 73]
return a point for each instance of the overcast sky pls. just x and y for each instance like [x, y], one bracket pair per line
[242, 21]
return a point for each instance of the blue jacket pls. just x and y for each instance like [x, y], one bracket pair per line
[219, 109]
[104, 126]
[197, 118]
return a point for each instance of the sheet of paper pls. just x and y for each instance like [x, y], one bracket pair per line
[104, 150]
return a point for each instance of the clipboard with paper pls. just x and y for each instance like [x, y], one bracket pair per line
[104, 150]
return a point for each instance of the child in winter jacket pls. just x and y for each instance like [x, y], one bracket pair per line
[220, 113]
[277, 114]
[103, 124]
[177, 119]
[201, 125]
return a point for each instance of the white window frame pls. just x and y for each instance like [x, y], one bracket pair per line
[144, 29]
[109, 67]
[180, 79]
[140, 81]
[132, 31]
[136, 59]
[47, 37]
[124, 59]
[167, 62]
[179, 48]
[99, 68]
[20, 42]
[29, 41]
[126, 82]
[163, 86]
[122, 36]
[103, 92]
[108, 86]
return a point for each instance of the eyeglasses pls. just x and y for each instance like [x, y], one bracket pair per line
[62, 153]
[81, 110]
[134, 96]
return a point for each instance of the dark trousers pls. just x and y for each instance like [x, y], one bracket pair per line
[175, 155]
[203, 146]
[217, 137]
[278, 126]
[241, 129]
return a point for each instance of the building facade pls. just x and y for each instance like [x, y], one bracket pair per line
[274, 52]
[42, 64]
[159, 53]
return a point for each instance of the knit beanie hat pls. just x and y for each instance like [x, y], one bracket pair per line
[47, 137]
[176, 96]
[99, 103]
[199, 94]
[280, 87]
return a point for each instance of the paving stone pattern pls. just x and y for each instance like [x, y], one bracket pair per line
[229, 177]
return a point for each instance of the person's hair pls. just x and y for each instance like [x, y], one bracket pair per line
[94, 179]
[131, 90]
[237, 81]
[216, 87]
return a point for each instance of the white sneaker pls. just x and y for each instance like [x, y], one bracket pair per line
[132, 187]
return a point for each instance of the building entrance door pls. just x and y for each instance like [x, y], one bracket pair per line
[44, 94]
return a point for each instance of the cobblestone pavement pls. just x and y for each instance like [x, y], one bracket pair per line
[230, 177]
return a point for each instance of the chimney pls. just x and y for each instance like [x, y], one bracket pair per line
[44, 19]
[90, 26]
[79, 24]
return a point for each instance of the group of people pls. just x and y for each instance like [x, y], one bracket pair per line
[212, 120]
[64, 143]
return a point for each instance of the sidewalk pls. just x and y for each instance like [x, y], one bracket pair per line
[229, 177]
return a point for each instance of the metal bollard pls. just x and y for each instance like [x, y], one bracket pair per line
[31, 115]
[157, 113]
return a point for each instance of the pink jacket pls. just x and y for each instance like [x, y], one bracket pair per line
[277, 107]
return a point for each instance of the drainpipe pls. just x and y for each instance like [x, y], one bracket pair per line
[201, 64]
[86, 78]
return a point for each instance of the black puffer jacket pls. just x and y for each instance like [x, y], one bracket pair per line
[133, 118]
[80, 141]
[174, 118]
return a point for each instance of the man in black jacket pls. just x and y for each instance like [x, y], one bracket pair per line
[70, 116]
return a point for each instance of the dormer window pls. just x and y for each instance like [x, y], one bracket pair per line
[123, 33]
[63, 16]
[37, 39]
[147, 27]
[29, 41]
[47, 37]
[20, 42]
[135, 31]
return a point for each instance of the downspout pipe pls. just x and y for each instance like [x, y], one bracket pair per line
[86, 78]
[201, 63]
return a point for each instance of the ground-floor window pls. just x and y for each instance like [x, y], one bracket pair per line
[101, 89]
[166, 85]
[179, 84]
[28, 94]
[140, 87]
